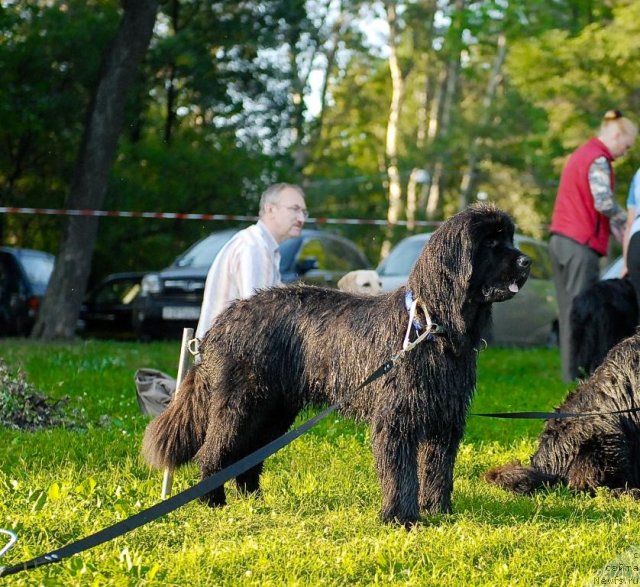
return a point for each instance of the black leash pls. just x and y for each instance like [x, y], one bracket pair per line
[205, 486]
[552, 415]
[217, 479]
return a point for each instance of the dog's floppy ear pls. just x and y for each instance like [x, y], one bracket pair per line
[442, 273]
[348, 282]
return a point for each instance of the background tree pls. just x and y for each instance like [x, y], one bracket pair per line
[49, 58]
[234, 95]
[61, 305]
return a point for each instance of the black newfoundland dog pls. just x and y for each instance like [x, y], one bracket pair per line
[589, 452]
[269, 356]
[601, 316]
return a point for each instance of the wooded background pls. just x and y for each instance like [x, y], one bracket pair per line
[402, 110]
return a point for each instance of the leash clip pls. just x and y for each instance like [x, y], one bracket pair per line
[430, 328]
[194, 346]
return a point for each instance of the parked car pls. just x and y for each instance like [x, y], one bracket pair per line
[107, 310]
[170, 300]
[528, 319]
[24, 276]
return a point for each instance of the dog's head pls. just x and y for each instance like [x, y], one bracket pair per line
[471, 259]
[499, 269]
[361, 281]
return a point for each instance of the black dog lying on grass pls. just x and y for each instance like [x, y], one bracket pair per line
[601, 316]
[267, 357]
[589, 452]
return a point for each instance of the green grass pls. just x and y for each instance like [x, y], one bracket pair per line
[316, 523]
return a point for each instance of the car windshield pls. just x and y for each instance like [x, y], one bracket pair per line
[38, 268]
[204, 252]
[402, 258]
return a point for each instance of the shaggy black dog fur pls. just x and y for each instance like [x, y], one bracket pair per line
[601, 316]
[590, 452]
[269, 356]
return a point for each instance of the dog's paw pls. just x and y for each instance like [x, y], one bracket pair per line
[214, 499]
[398, 518]
[632, 492]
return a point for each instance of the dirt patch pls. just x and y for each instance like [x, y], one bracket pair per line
[25, 408]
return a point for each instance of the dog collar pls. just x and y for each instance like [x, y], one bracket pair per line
[410, 304]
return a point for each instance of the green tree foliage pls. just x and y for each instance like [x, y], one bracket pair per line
[221, 108]
[574, 78]
[49, 58]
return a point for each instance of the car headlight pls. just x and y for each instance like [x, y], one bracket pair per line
[151, 284]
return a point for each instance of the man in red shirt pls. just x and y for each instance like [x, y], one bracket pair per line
[584, 215]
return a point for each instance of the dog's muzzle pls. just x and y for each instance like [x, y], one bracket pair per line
[522, 267]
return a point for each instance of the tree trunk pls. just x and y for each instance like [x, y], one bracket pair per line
[170, 83]
[61, 305]
[439, 129]
[340, 26]
[447, 95]
[468, 182]
[391, 148]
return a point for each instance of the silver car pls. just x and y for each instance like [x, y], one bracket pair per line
[528, 319]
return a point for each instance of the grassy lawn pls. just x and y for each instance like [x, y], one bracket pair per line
[316, 523]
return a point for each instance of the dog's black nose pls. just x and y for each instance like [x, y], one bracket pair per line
[524, 262]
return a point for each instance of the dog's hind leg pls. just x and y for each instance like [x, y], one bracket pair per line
[436, 459]
[234, 434]
[249, 481]
[272, 423]
[221, 444]
[587, 468]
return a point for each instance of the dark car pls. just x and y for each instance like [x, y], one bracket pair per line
[24, 276]
[528, 319]
[107, 310]
[170, 300]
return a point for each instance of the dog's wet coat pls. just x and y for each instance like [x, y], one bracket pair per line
[269, 356]
[587, 453]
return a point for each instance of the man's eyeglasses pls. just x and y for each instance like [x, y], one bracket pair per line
[299, 210]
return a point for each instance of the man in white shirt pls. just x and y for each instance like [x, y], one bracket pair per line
[251, 259]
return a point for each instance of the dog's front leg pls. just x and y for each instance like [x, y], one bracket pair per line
[396, 462]
[436, 458]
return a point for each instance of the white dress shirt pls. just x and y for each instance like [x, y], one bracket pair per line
[248, 262]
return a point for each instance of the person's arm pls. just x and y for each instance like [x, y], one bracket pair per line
[631, 214]
[603, 200]
[632, 205]
[207, 309]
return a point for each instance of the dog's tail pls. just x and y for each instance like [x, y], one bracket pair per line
[520, 479]
[173, 438]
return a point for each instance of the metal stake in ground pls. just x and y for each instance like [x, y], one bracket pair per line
[187, 335]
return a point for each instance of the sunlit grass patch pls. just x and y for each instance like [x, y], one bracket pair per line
[316, 521]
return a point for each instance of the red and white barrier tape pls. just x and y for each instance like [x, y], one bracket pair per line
[184, 216]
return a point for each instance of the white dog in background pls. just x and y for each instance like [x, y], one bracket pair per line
[362, 281]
